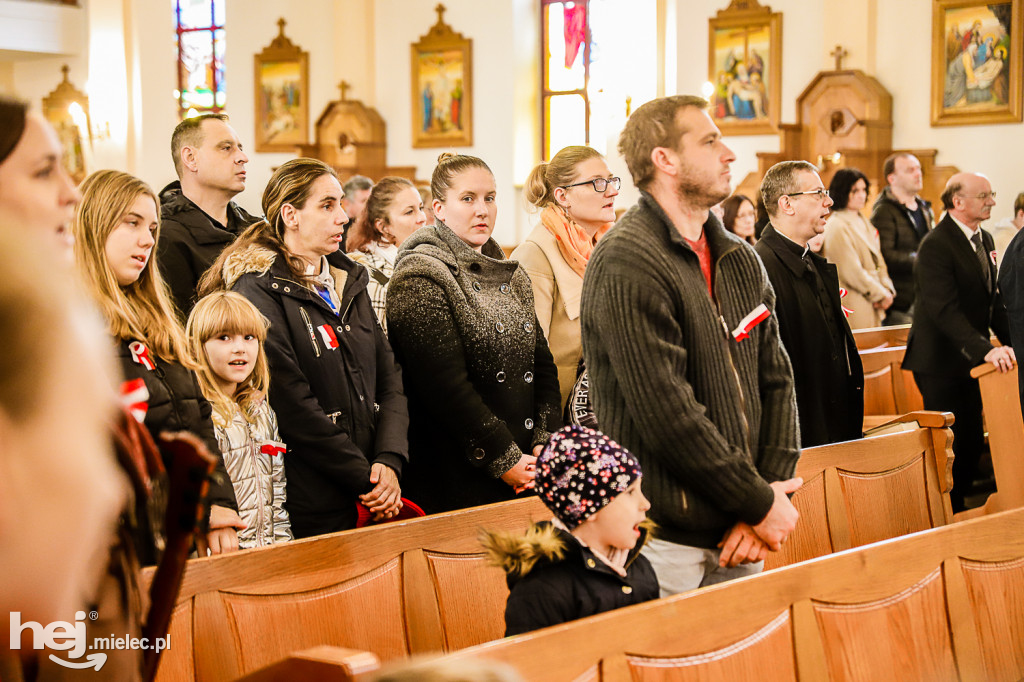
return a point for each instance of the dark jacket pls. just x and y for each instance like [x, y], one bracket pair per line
[899, 241]
[553, 579]
[954, 311]
[1011, 288]
[190, 241]
[334, 385]
[829, 380]
[482, 386]
[174, 403]
[710, 414]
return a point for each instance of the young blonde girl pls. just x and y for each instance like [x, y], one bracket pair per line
[226, 334]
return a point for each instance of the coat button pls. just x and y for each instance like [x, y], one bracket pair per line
[500, 377]
[274, 285]
[505, 288]
[626, 589]
[362, 398]
[287, 289]
[529, 423]
[476, 286]
[528, 326]
[348, 328]
[479, 453]
[591, 563]
[341, 329]
[499, 327]
[528, 377]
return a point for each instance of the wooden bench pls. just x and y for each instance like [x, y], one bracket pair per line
[942, 604]
[881, 337]
[1000, 398]
[889, 390]
[872, 489]
[396, 590]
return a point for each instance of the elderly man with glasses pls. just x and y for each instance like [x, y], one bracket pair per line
[958, 306]
[826, 367]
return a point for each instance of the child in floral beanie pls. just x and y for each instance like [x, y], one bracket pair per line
[587, 559]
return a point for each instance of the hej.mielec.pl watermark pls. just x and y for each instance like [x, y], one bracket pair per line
[70, 637]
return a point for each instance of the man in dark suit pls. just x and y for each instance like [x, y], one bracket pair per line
[826, 367]
[957, 304]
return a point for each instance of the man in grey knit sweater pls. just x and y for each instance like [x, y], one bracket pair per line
[686, 367]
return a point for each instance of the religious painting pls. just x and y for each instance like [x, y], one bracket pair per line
[442, 101]
[282, 95]
[976, 62]
[67, 110]
[745, 68]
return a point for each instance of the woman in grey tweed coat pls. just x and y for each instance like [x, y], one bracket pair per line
[481, 384]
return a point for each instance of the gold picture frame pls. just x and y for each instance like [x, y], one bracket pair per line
[977, 58]
[442, 87]
[57, 109]
[281, 89]
[745, 68]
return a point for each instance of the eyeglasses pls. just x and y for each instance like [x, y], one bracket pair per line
[821, 193]
[600, 184]
[984, 196]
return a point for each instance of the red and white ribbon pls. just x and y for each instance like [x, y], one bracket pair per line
[842, 294]
[140, 354]
[135, 398]
[273, 449]
[754, 318]
[330, 340]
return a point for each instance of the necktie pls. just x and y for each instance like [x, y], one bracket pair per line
[979, 251]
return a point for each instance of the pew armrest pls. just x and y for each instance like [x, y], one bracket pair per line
[326, 663]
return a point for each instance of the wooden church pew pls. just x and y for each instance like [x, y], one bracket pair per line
[422, 585]
[942, 604]
[1000, 399]
[396, 590]
[889, 390]
[871, 489]
[881, 337]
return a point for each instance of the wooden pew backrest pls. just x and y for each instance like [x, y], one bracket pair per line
[889, 390]
[943, 604]
[396, 590]
[881, 337]
[871, 489]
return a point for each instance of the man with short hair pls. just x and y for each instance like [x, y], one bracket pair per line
[1006, 229]
[902, 219]
[958, 303]
[356, 193]
[827, 370]
[197, 214]
[686, 367]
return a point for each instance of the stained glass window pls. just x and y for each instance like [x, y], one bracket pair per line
[596, 55]
[200, 41]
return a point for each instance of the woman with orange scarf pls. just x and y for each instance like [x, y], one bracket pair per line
[576, 194]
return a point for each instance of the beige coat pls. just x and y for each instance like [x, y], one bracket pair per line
[851, 243]
[556, 293]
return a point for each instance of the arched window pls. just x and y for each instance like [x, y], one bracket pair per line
[598, 58]
[200, 40]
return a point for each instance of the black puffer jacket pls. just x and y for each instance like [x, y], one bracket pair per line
[190, 241]
[482, 386]
[554, 579]
[175, 403]
[334, 385]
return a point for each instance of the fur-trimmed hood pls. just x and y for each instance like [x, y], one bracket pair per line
[519, 553]
[253, 259]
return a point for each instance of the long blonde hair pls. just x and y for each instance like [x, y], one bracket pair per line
[141, 311]
[227, 312]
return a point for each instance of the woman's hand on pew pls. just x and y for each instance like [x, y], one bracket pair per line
[741, 545]
[385, 500]
[782, 516]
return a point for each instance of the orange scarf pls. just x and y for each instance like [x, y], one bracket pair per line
[573, 242]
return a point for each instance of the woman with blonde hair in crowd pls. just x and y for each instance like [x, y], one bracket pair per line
[576, 194]
[36, 193]
[482, 388]
[226, 334]
[337, 388]
[116, 228]
[394, 210]
[851, 243]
